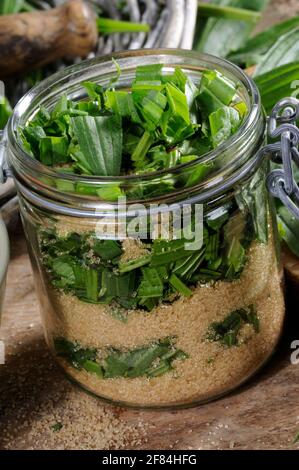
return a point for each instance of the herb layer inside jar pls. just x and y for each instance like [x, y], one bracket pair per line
[139, 274]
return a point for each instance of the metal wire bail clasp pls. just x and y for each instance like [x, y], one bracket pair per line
[281, 182]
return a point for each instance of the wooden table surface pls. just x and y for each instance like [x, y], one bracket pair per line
[264, 414]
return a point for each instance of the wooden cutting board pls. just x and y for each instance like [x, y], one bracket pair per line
[263, 414]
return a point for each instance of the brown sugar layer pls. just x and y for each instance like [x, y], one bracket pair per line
[41, 410]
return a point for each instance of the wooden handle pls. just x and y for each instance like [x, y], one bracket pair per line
[33, 39]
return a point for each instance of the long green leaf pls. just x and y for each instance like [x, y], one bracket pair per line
[8, 7]
[277, 84]
[110, 26]
[222, 36]
[283, 51]
[254, 49]
[100, 142]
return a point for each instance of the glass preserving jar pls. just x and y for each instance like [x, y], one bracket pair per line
[202, 340]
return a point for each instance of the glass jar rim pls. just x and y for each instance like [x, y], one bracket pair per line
[42, 89]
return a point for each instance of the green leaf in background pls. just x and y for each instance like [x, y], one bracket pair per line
[151, 285]
[222, 36]
[149, 73]
[100, 142]
[126, 266]
[121, 102]
[255, 48]
[283, 51]
[142, 148]
[10, 6]
[277, 84]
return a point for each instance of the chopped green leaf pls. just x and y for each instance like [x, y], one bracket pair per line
[57, 427]
[100, 142]
[121, 102]
[126, 266]
[152, 72]
[142, 148]
[227, 330]
[220, 36]
[284, 51]
[256, 47]
[93, 367]
[111, 26]
[54, 150]
[296, 438]
[151, 284]
[107, 249]
[178, 102]
[5, 111]
[180, 286]
[152, 360]
[111, 192]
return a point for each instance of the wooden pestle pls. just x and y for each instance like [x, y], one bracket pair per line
[34, 39]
